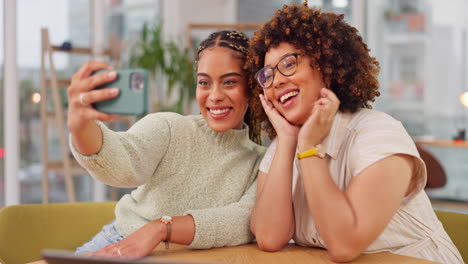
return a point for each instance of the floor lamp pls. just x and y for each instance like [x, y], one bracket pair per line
[462, 133]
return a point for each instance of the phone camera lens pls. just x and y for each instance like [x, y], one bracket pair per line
[137, 82]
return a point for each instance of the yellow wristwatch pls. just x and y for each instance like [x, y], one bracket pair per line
[315, 151]
[167, 220]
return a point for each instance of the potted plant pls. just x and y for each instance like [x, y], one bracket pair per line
[166, 61]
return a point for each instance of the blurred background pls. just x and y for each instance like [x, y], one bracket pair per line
[421, 46]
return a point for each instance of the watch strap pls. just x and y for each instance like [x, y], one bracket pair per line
[315, 151]
[167, 220]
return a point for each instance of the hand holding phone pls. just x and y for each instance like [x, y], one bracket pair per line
[133, 92]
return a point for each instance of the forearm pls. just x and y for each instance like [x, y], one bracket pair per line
[182, 230]
[227, 225]
[114, 163]
[144, 240]
[87, 140]
[124, 159]
[333, 213]
[273, 216]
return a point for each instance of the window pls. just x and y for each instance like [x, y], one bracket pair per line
[261, 11]
[421, 46]
[60, 19]
[2, 110]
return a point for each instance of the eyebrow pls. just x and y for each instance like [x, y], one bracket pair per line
[282, 57]
[222, 76]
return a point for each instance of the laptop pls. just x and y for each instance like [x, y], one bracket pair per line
[53, 256]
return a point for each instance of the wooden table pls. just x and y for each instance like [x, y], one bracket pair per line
[252, 254]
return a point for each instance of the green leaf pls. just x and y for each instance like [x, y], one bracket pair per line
[169, 59]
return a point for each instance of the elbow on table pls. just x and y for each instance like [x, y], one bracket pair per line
[270, 243]
[343, 254]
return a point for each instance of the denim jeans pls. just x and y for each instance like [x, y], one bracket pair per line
[108, 235]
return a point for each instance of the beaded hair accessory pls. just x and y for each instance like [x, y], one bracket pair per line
[200, 48]
[234, 35]
[239, 48]
[237, 35]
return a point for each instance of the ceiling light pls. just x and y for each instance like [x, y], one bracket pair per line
[340, 3]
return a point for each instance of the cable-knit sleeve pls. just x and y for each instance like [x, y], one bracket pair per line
[128, 159]
[224, 226]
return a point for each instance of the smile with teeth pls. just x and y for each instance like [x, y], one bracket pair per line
[287, 96]
[219, 111]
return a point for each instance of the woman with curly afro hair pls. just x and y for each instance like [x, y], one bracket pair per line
[337, 175]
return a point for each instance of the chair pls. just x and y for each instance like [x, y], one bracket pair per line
[456, 225]
[27, 229]
[436, 176]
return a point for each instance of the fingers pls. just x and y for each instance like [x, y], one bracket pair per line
[328, 98]
[110, 250]
[81, 117]
[81, 93]
[93, 114]
[91, 82]
[119, 250]
[325, 107]
[267, 100]
[82, 80]
[270, 110]
[329, 94]
[90, 67]
[99, 79]
[87, 98]
[265, 103]
[318, 125]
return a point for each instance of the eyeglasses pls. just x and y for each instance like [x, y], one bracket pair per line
[287, 66]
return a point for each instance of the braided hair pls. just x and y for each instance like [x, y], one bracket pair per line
[239, 42]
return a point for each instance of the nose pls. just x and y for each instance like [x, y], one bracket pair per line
[216, 93]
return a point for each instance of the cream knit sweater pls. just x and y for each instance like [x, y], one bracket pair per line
[181, 167]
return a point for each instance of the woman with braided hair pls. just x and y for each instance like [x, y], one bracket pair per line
[338, 175]
[195, 175]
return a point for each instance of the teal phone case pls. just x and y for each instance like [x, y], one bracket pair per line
[133, 93]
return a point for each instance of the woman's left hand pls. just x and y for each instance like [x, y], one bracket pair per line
[138, 244]
[318, 125]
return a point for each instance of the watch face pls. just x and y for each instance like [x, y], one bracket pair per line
[166, 218]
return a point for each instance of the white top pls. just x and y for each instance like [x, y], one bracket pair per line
[355, 142]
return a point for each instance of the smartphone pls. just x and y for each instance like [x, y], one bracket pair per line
[133, 93]
[54, 256]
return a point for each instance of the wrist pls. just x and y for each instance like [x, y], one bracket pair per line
[159, 230]
[88, 141]
[162, 230]
[303, 146]
[287, 142]
[77, 128]
[305, 143]
[317, 151]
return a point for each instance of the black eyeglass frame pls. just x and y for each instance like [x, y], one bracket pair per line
[295, 54]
